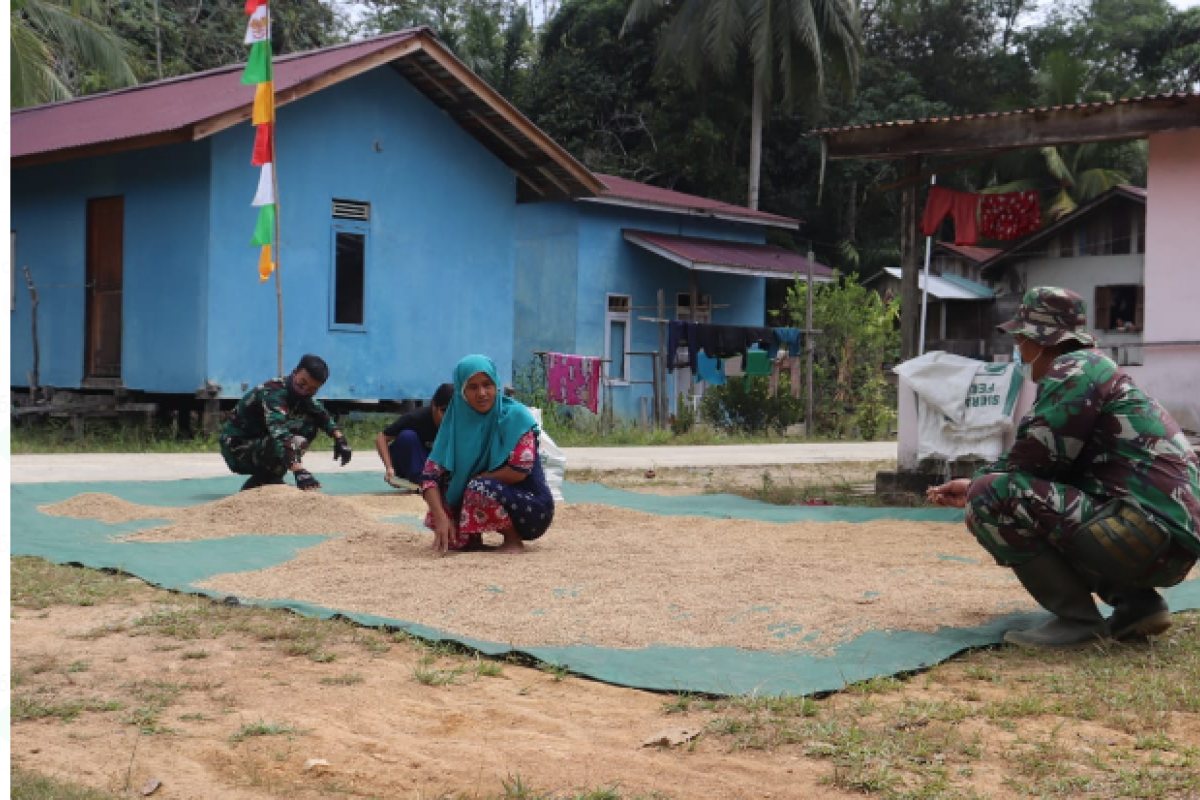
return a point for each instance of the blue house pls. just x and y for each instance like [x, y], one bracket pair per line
[422, 218]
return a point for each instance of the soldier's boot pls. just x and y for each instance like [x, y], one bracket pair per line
[1137, 613]
[1055, 584]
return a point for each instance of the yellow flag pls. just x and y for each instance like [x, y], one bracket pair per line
[265, 264]
[264, 103]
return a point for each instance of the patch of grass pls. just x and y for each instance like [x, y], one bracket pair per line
[557, 672]
[38, 584]
[345, 679]
[26, 785]
[29, 707]
[194, 655]
[262, 728]
[428, 676]
[487, 669]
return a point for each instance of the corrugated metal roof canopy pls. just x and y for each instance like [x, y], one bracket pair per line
[194, 106]
[622, 191]
[949, 287]
[716, 255]
[1127, 118]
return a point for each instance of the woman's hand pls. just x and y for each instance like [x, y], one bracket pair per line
[443, 531]
[952, 493]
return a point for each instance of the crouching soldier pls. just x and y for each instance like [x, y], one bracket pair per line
[274, 424]
[1100, 492]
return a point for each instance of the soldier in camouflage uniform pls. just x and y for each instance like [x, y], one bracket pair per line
[274, 424]
[1100, 492]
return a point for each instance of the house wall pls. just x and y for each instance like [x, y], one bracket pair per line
[440, 254]
[547, 280]
[609, 264]
[1172, 373]
[165, 250]
[1082, 274]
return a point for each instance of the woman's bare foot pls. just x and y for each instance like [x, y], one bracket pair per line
[475, 545]
[512, 542]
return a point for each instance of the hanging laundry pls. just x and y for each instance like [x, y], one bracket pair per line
[677, 337]
[787, 339]
[1010, 215]
[573, 380]
[708, 369]
[962, 207]
[726, 341]
[758, 362]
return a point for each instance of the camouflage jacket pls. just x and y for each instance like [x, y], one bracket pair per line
[1093, 429]
[268, 410]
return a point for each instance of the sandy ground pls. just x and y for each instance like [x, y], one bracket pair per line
[367, 707]
[602, 576]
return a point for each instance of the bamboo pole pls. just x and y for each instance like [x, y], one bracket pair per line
[278, 214]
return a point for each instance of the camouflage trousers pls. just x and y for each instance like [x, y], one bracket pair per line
[264, 456]
[1016, 517]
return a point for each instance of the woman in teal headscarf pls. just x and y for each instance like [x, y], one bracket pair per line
[484, 473]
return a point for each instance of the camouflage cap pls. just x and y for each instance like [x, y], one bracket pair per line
[1049, 315]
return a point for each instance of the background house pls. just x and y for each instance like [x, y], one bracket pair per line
[422, 218]
[1099, 252]
[590, 274]
[960, 313]
[1170, 337]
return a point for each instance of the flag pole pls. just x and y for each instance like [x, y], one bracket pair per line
[278, 213]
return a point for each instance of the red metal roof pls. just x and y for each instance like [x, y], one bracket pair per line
[192, 107]
[624, 190]
[725, 256]
[974, 253]
[992, 114]
[173, 104]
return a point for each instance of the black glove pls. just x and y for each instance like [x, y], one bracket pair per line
[305, 480]
[341, 449]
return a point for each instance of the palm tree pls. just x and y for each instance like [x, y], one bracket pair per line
[1080, 172]
[795, 43]
[48, 37]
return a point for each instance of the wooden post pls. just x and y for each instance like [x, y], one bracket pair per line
[809, 349]
[34, 377]
[910, 298]
[663, 405]
[278, 260]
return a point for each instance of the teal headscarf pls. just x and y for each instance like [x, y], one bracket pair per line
[469, 443]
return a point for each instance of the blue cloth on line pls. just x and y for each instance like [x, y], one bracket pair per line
[710, 370]
[789, 338]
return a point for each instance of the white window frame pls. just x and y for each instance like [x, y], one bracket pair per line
[610, 317]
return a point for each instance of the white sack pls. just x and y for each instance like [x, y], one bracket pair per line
[964, 406]
[554, 460]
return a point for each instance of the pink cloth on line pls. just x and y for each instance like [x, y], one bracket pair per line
[573, 380]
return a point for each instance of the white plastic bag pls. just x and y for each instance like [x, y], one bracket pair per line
[554, 460]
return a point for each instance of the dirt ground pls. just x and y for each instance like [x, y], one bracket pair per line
[173, 689]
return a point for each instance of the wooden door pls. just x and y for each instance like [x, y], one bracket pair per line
[105, 282]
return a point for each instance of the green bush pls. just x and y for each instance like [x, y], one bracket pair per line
[744, 404]
[684, 418]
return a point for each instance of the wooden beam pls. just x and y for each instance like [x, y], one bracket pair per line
[1122, 119]
[441, 86]
[550, 176]
[103, 148]
[910, 295]
[541, 192]
[315, 84]
[449, 62]
[492, 129]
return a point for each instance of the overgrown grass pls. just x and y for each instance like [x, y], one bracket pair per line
[1029, 715]
[26, 785]
[107, 436]
[39, 584]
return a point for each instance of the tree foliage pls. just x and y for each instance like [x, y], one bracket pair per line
[53, 44]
